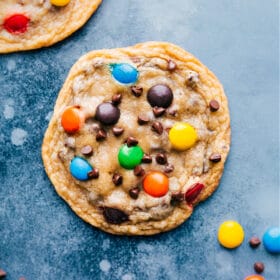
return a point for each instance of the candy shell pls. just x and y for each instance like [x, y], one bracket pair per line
[129, 157]
[80, 168]
[156, 184]
[60, 3]
[230, 234]
[72, 119]
[124, 73]
[271, 240]
[16, 23]
[254, 277]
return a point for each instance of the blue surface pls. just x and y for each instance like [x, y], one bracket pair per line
[41, 238]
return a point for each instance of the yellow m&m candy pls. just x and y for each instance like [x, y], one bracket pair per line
[182, 136]
[230, 234]
[60, 3]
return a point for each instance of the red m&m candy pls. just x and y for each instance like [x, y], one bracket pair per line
[16, 23]
[156, 184]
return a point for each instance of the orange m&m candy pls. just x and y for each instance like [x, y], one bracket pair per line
[72, 119]
[156, 184]
[254, 277]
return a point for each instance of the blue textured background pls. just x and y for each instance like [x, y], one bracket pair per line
[41, 238]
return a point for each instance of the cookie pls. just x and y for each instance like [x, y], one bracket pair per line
[138, 137]
[30, 24]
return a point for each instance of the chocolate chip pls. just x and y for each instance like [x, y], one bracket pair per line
[259, 267]
[93, 174]
[147, 158]
[158, 111]
[101, 135]
[215, 157]
[138, 171]
[2, 273]
[118, 131]
[117, 179]
[87, 150]
[107, 113]
[168, 168]
[161, 158]
[192, 78]
[172, 112]
[254, 242]
[131, 141]
[136, 90]
[171, 65]
[214, 105]
[177, 197]
[157, 127]
[134, 192]
[160, 95]
[116, 99]
[114, 216]
[142, 119]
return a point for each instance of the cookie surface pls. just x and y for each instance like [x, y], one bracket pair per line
[32, 24]
[138, 137]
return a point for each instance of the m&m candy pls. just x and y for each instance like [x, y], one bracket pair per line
[124, 73]
[79, 168]
[129, 157]
[254, 277]
[72, 119]
[230, 234]
[16, 23]
[271, 240]
[182, 136]
[60, 3]
[156, 184]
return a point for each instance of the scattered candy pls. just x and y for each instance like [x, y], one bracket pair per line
[160, 95]
[254, 242]
[60, 3]
[124, 73]
[254, 277]
[107, 113]
[80, 168]
[259, 267]
[230, 234]
[129, 157]
[182, 136]
[17, 23]
[271, 240]
[156, 184]
[72, 119]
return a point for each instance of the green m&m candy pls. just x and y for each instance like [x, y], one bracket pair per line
[129, 157]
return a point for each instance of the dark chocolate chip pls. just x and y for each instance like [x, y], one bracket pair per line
[2, 273]
[160, 95]
[87, 150]
[114, 216]
[137, 90]
[93, 174]
[158, 111]
[171, 66]
[254, 242]
[118, 131]
[142, 119]
[101, 135]
[138, 171]
[116, 99]
[157, 127]
[131, 141]
[117, 179]
[259, 267]
[177, 197]
[214, 105]
[215, 157]
[107, 113]
[134, 192]
[168, 168]
[161, 158]
[147, 159]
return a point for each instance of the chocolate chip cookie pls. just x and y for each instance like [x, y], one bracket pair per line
[139, 136]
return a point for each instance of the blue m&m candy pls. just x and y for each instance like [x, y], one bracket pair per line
[80, 168]
[124, 73]
[271, 240]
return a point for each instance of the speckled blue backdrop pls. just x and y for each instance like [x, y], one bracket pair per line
[41, 238]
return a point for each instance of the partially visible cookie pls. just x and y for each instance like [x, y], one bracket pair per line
[32, 24]
[138, 137]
